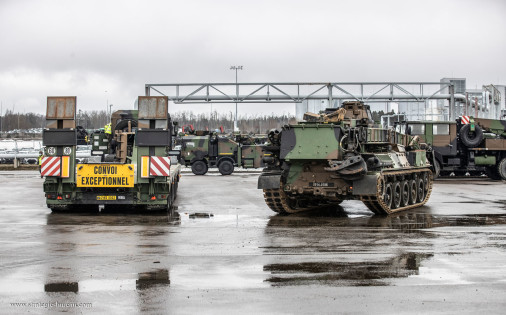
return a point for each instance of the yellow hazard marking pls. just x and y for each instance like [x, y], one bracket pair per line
[65, 166]
[105, 175]
[225, 153]
[145, 166]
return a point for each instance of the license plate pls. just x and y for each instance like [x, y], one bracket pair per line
[320, 184]
[105, 175]
[106, 197]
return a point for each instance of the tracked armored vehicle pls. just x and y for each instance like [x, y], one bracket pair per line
[340, 156]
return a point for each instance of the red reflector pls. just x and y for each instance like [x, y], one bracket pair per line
[153, 198]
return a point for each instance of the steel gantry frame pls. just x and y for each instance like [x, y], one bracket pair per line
[286, 92]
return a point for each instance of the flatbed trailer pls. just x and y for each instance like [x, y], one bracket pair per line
[136, 169]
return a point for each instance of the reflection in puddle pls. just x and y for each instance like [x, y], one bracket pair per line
[151, 279]
[407, 221]
[115, 219]
[61, 287]
[345, 273]
[145, 280]
[200, 215]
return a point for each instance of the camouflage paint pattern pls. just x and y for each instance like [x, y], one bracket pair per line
[252, 156]
[495, 126]
[194, 148]
[453, 155]
[213, 148]
[339, 155]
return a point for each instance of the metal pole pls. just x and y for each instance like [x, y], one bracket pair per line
[452, 102]
[236, 97]
[236, 93]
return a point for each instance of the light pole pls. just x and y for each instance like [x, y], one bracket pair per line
[236, 93]
[106, 102]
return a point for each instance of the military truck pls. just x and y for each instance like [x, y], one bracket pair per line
[204, 150]
[466, 146]
[134, 170]
[338, 156]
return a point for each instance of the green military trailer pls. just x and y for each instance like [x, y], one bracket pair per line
[133, 170]
[340, 156]
[468, 145]
[205, 150]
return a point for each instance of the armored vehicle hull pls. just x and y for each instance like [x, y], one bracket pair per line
[321, 163]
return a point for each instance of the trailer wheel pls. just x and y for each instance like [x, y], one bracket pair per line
[226, 167]
[471, 139]
[199, 168]
[501, 169]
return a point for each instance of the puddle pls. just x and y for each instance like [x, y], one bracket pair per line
[61, 287]
[368, 273]
[200, 215]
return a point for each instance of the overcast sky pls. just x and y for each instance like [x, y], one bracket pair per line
[105, 51]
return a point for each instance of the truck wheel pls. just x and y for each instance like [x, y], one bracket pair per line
[471, 139]
[501, 169]
[199, 168]
[226, 167]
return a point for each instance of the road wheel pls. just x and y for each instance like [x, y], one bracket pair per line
[420, 189]
[199, 168]
[389, 195]
[469, 138]
[226, 167]
[405, 193]
[501, 169]
[412, 191]
[397, 195]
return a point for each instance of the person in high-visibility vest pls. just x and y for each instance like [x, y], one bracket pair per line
[107, 128]
[107, 131]
[40, 160]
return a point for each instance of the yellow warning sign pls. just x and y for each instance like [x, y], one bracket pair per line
[105, 175]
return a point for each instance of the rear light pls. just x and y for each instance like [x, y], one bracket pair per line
[163, 196]
[67, 196]
[153, 198]
[50, 196]
[59, 198]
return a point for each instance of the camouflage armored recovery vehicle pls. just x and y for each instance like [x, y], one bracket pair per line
[340, 156]
[467, 145]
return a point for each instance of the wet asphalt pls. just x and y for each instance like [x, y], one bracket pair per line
[224, 251]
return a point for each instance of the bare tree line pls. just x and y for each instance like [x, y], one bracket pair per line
[200, 121]
[245, 123]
